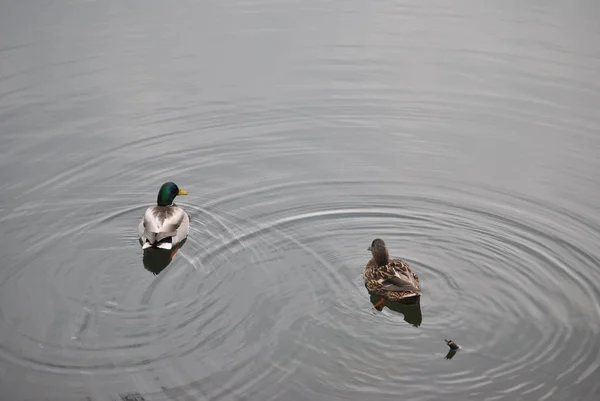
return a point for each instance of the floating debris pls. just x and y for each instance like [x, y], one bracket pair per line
[132, 397]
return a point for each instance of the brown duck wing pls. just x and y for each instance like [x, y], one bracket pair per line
[404, 268]
[398, 277]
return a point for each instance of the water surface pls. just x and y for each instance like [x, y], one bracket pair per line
[465, 134]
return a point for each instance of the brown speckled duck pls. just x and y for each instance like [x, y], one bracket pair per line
[390, 278]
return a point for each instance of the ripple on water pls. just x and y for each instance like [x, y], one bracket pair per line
[251, 302]
[510, 297]
[266, 300]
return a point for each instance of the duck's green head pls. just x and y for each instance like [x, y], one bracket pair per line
[379, 251]
[167, 193]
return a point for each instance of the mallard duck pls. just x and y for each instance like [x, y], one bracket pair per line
[165, 225]
[390, 278]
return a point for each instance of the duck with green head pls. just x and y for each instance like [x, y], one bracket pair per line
[165, 225]
[390, 278]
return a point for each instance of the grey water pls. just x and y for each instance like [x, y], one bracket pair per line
[466, 134]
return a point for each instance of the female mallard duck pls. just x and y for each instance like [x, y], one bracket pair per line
[165, 225]
[390, 278]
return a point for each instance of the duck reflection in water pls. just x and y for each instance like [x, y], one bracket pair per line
[156, 260]
[410, 310]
